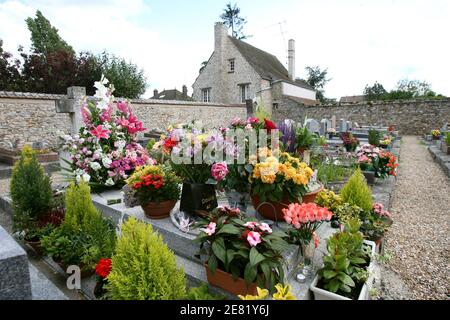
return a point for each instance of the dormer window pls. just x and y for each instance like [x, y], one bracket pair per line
[231, 65]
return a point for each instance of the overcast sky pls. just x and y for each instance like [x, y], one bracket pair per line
[358, 41]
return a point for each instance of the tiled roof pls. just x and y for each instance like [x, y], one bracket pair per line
[173, 94]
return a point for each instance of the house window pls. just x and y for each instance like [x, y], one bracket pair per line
[231, 65]
[244, 88]
[206, 94]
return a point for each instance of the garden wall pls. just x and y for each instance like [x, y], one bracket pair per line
[413, 117]
[32, 117]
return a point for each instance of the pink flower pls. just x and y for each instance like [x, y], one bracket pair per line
[316, 239]
[210, 229]
[253, 238]
[219, 171]
[123, 107]
[252, 120]
[99, 132]
[251, 224]
[265, 227]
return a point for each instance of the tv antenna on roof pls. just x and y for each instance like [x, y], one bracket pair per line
[282, 32]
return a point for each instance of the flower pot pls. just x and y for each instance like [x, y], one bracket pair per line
[370, 176]
[225, 281]
[322, 294]
[84, 273]
[161, 210]
[198, 197]
[436, 137]
[99, 289]
[238, 199]
[36, 245]
[273, 210]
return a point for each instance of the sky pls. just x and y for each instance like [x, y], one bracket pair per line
[358, 41]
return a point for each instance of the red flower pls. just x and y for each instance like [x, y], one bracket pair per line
[169, 143]
[99, 132]
[269, 125]
[103, 267]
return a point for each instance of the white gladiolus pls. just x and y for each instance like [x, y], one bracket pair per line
[109, 182]
[95, 166]
[106, 162]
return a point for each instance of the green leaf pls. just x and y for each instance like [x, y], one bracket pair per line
[356, 260]
[346, 279]
[328, 274]
[230, 256]
[230, 229]
[333, 285]
[249, 273]
[219, 250]
[255, 256]
[212, 263]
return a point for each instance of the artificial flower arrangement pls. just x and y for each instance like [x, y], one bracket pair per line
[106, 151]
[350, 142]
[243, 250]
[386, 141]
[157, 188]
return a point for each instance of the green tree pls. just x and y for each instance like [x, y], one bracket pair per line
[129, 81]
[45, 37]
[231, 19]
[375, 92]
[415, 88]
[10, 79]
[317, 79]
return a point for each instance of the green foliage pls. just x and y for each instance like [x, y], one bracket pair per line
[304, 138]
[328, 199]
[143, 267]
[129, 81]
[317, 79]
[202, 293]
[375, 92]
[230, 18]
[345, 265]
[347, 212]
[10, 79]
[45, 37]
[31, 192]
[85, 236]
[374, 137]
[447, 138]
[405, 89]
[327, 173]
[228, 250]
[357, 192]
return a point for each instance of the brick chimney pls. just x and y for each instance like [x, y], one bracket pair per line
[291, 59]
[155, 93]
[184, 91]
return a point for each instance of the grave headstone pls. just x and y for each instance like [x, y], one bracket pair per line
[313, 125]
[342, 125]
[15, 281]
[445, 128]
[349, 125]
[323, 127]
[333, 122]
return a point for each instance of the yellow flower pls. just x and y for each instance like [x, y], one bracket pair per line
[262, 294]
[268, 178]
[283, 292]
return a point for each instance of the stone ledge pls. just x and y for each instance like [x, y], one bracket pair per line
[442, 159]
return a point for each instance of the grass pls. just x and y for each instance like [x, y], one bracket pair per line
[327, 173]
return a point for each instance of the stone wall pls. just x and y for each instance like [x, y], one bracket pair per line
[413, 117]
[32, 117]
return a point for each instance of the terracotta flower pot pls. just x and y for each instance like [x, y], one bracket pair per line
[273, 210]
[161, 210]
[225, 281]
[36, 245]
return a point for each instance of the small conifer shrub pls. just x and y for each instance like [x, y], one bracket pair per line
[143, 267]
[357, 192]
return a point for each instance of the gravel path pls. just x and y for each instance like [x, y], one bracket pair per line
[419, 237]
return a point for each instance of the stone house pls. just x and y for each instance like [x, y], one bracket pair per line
[172, 94]
[237, 71]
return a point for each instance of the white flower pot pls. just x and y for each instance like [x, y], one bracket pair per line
[322, 294]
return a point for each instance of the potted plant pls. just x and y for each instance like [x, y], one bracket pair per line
[278, 182]
[331, 132]
[375, 223]
[385, 143]
[367, 159]
[436, 134]
[332, 201]
[304, 141]
[347, 266]
[446, 144]
[157, 189]
[241, 253]
[237, 187]
[374, 137]
[102, 270]
[349, 141]
[386, 165]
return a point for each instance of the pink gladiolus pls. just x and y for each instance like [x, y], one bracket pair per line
[252, 120]
[123, 107]
[99, 132]
[253, 238]
[219, 171]
[210, 229]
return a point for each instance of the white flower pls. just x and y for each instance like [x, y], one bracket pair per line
[95, 165]
[120, 144]
[106, 162]
[109, 182]
[85, 177]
